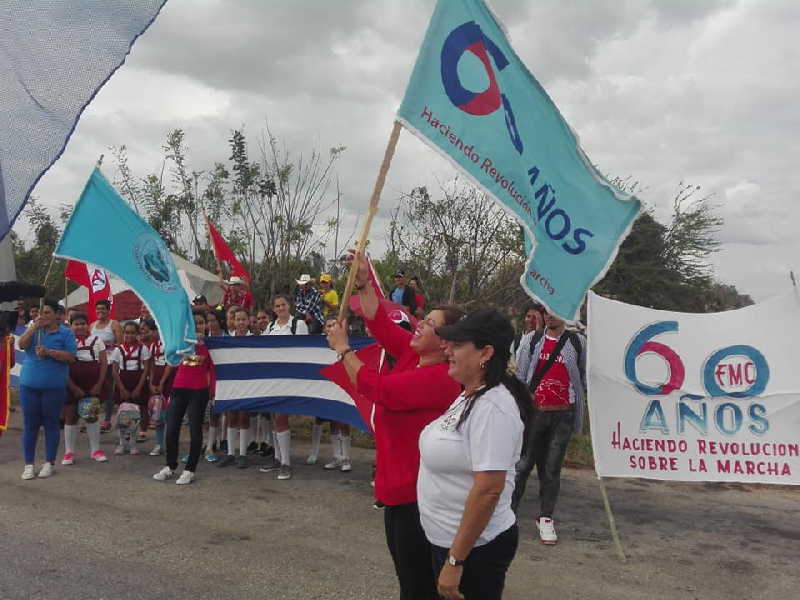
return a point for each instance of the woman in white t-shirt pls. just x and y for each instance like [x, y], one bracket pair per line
[284, 324]
[468, 458]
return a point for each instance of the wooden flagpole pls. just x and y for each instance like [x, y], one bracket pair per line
[612, 524]
[371, 212]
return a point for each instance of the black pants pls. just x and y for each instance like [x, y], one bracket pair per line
[411, 552]
[548, 436]
[183, 401]
[484, 575]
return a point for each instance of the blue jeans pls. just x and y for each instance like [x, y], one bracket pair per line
[41, 407]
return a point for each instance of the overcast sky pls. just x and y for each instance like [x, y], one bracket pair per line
[702, 91]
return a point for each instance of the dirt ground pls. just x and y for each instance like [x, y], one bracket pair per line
[108, 531]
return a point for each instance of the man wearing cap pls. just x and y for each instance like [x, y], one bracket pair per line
[330, 299]
[308, 304]
[402, 294]
[553, 364]
[236, 293]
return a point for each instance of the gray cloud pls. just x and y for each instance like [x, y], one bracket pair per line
[663, 91]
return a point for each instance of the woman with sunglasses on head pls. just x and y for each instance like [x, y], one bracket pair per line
[415, 392]
[466, 476]
[49, 350]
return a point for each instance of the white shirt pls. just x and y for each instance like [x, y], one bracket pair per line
[276, 328]
[84, 354]
[132, 364]
[489, 440]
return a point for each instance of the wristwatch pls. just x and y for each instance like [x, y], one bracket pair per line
[451, 560]
[344, 353]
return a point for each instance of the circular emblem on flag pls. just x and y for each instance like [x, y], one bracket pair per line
[153, 259]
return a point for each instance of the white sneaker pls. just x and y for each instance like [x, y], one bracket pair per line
[27, 472]
[547, 530]
[336, 463]
[164, 474]
[119, 450]
[133, 451]
[346, 465]
[46, 470]
[156, 451]
[312, 459]
[185, 478]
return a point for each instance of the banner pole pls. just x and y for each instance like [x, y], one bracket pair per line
[612, 524]
[371, 212]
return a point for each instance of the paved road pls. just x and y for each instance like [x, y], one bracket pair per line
[108, 531]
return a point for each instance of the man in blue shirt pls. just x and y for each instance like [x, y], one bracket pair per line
[49, 347]
[402, 294]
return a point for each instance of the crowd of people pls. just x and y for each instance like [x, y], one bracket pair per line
[460, 415]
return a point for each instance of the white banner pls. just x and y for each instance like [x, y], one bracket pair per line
[696, 397]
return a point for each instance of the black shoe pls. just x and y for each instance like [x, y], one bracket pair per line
[252, 448]
[242, 462]
[265, 450]
[227, 461]
[223, 446]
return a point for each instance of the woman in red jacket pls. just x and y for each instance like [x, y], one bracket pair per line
[415, 392]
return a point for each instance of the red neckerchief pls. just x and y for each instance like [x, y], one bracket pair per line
[128, 354]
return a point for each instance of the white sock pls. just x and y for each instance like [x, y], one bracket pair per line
[276, 445]
[316, 436]
[70, 437]
[93, 431]
[284, 439]
[121, 438]
[244, 439]
[336, 451]
[268, 438]
[259, 429]
[233, 437]
[345, 443]
[212, 437]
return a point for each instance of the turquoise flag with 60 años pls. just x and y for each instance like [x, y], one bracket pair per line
[133, 251]
[473, 100]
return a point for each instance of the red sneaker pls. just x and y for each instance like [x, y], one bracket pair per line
[99, 456]
[69, 459]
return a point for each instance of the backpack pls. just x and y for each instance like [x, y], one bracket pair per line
[571, 336]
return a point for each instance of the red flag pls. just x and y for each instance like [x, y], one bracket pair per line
[374, 279]
[6, 362]
[225, 255]
[94, 279]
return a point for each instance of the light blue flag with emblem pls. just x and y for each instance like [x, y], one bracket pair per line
[55, 55]
[133, 251]
[473, 100]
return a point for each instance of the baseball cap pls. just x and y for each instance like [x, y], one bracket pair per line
[485, 326]
[325, 277]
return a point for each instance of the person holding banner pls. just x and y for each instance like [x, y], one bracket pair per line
[49, 349]
[236, 293]
[414, 393]
[466, 475]
[192, 389]
[553, 364]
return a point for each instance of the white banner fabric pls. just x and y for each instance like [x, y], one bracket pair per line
[696, 397]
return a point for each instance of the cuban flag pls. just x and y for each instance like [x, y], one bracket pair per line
[281, 374]
[54, 58]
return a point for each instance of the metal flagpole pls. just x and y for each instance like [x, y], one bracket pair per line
[371, 212]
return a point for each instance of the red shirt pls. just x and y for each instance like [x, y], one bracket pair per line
[406, 400]
[196, 371]
[554, 388]
[420, 300]
[245, 299]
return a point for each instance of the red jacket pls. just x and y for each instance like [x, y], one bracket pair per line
[406, 400]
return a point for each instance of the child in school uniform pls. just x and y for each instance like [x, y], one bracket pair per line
[159, 381]
[130, 362]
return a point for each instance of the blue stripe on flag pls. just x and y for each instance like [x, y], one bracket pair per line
[296, 405]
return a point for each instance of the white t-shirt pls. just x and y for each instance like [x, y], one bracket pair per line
[276, 328]
[489, 440]
[92, 344]
[136, 360]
